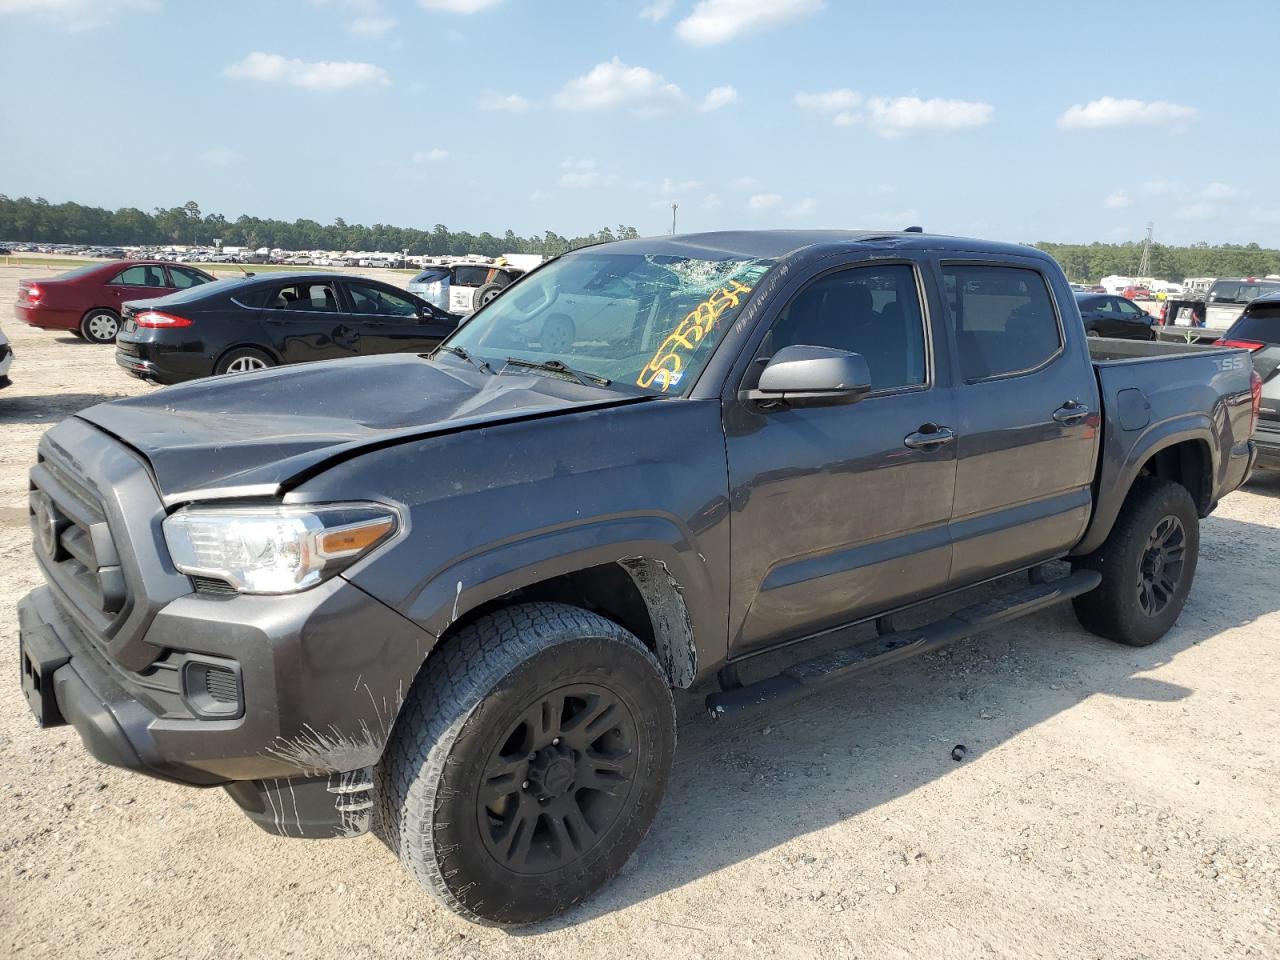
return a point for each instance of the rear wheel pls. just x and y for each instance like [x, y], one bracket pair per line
[243, 360]
[557, 334]
[100, 326]
[1147, 564]
[528, 763]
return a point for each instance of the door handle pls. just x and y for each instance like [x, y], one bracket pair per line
[1071, 412]
[929, 439]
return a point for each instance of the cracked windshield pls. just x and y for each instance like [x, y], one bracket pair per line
[641, 321]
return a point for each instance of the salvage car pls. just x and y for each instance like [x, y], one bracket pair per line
[1105, 315]
[1258, 331]
[87, 301]
[265, 321]
[449, 597]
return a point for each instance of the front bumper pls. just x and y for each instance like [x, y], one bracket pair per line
[321, 680]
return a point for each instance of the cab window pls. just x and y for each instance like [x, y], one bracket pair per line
[1004, 320]
[873, 311]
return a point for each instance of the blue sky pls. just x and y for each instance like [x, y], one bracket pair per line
[1011, 120]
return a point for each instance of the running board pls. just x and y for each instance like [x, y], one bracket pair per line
[808, 675]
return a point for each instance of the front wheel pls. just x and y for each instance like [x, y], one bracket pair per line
[528, 762]
[1147, 564]
[100, 326]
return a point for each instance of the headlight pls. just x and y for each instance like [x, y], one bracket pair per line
[275, 549]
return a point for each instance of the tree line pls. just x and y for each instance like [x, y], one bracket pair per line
[38, 220]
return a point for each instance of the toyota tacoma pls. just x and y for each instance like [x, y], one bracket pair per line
[448, 597]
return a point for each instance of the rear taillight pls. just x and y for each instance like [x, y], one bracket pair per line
[1250, 345]
[158, 319]
[1255, 387]
[34, 293]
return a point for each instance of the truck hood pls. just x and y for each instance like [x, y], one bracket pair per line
[251, 434]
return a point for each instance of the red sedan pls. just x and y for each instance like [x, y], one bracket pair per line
[87, 301]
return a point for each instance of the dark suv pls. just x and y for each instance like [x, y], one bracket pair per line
[1258, 331]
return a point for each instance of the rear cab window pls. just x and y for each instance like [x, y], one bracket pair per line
[1004, 319]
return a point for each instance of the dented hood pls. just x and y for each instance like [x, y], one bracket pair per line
[250, 434]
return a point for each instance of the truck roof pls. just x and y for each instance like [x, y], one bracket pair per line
[773, 244]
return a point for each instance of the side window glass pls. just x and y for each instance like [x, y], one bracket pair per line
[470, 276]
[182, 278]
[141, 275]
[1127, 309]
[305, 297]
[1005, 322]
[369, 299]
[874, 311]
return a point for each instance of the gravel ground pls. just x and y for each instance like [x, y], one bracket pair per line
[1113, 802]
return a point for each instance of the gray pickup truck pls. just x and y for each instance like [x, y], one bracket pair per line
[449, 597]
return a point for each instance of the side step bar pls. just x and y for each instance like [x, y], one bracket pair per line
[808, 675]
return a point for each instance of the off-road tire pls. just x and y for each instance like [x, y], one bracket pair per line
[243, 357]
[457, 717]
[484, 294]
[1115, 609]
[100, 325]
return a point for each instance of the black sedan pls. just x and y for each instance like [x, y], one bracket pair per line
[1111, 316]
[235, 326]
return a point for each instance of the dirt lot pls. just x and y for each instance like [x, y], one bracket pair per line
[1113, 802]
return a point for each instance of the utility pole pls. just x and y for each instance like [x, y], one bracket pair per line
[674, 208]
[1144, 265]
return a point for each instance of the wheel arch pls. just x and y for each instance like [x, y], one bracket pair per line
[1182, 453]
[248, 345]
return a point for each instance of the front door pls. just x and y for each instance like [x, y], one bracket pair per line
[841, 511]
[394, 322]
[305, 320]
[1028, 421]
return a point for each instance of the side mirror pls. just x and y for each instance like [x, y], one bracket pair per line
[802, 375]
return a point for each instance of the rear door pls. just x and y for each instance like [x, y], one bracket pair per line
[841, 511]
[305, 320]
[139, 282]
[1027, 404]
[392, 321]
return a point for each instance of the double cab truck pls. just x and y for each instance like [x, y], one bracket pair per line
[451, 597]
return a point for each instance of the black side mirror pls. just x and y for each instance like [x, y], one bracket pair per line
[802, 375]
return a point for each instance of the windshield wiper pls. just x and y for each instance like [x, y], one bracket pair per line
[556, 366]
[463, 355]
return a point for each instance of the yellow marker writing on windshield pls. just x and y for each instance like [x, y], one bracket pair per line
[662, 370]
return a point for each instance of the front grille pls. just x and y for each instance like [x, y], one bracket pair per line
[75, 542]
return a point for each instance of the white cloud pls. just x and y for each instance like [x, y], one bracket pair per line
[458, 6]
[1159, 188]
[1219, 191]
[539, 196]
[895, 116]
[718, 97]
[899, 116]
[1113, 112]
[581, 172]
[764, 201]
[744, 184]
[658, 10]
[76, 16]
[220, 157]
[1200, 210]
[1118, 200]
[504, 103]
[430, 156]
[717, 21]
[711, 202]
[615, 84]
[371, 26]
[802, 209]
[323, 75]
[829, 101]
[669, 187]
